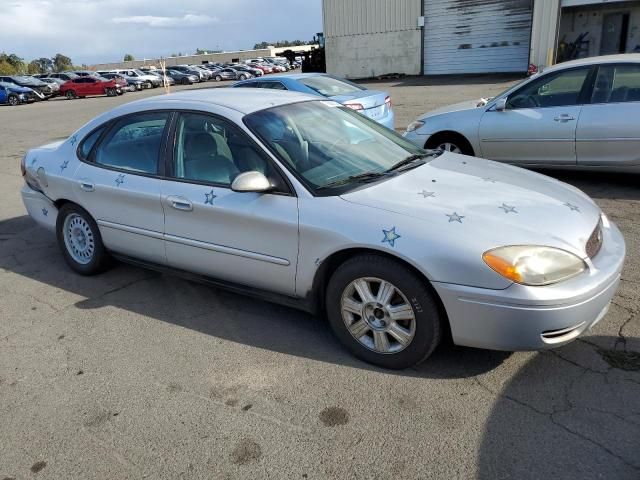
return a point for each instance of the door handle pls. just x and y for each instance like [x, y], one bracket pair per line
[565, 117]
[180, 203]
[87, 186]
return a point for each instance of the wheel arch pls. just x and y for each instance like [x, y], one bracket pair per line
[332, 262]
[442, 134]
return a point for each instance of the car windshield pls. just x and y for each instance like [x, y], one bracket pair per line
[327, 145]
[139, 72]
[329, 86]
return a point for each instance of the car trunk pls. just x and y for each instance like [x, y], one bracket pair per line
[372, 101]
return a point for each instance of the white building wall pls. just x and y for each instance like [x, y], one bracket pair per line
[367, 38]
[544, 32]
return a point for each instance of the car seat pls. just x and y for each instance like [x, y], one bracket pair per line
[202, 162]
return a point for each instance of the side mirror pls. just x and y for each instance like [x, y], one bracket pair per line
[501, 105]
[251, 182]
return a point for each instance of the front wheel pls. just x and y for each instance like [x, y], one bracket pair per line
[80, 241]
[185, 81]
[243, 77]
[70, 94]
[218, 78]
[383, 312]
[450, 142]
[13, 100]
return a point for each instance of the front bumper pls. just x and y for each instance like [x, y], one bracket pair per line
[417, 138]
[535, 318]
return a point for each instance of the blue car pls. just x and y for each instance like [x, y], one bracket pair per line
[373, 103]
[13, 94]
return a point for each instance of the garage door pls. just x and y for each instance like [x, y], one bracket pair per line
[476, 36]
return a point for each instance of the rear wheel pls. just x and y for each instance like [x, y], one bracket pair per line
[383, 312]
[243, 77]
[218, 78]
[80, 241]
[70, 95]
[13, 100]
[185, 81]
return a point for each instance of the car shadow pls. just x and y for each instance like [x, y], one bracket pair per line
[599, 185]
[565, 414]
[30, 251]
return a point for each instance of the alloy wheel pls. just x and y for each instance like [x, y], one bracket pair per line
[378, 315]
[449, 147]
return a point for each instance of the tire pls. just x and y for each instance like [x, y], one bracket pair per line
[218, 78]
[243, 77]
[450, 142]
[71, 95]
[185, 81]
[13, 100]
[421, 323]
[110, 92]
[84, 252]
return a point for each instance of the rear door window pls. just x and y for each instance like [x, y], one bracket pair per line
[617, 84]
[133, 143]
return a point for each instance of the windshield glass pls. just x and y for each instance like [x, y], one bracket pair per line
[324, 143]
[139, 72]
[521, 82]
[329, 86]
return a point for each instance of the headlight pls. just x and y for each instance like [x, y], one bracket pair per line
[532, 265]
[415, 125]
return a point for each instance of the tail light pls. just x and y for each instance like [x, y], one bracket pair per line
[533, 69]
[354, 106]
[387, 102]
[23, 166]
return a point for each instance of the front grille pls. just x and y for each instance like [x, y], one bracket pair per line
[595, 241]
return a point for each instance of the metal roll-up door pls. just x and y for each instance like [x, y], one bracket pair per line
[476, 36]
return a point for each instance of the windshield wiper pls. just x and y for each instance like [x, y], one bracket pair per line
[362, 177]
[410, 159]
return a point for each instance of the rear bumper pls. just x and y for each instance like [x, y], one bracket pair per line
[536, 318]
[39, 207]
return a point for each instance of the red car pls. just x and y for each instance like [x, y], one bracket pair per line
[89, 85]
[265, 69]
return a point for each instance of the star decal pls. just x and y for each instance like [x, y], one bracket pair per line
[454, 217]
[64, 165]
[73, 140]
[489, 179]
[208, 198]
[572, 207]
[390, 236]
[508, 208]
[45, 212]
[426, 194]
[120, 179]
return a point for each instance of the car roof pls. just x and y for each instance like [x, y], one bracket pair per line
[619, 58]
[243, 100]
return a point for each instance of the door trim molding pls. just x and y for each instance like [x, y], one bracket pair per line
[228, 250]
[130, 229]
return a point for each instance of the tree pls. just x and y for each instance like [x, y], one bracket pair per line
[15, 61]
[6, 68]
[128, 57]
[280, 43]
[33, 68]
[43, 64]
[61, 63]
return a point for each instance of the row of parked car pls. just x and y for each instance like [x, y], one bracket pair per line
[17, 89]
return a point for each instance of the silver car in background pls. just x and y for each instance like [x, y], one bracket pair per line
[581, 114]
[301, 200]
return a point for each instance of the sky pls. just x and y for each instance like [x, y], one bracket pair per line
[97, 31]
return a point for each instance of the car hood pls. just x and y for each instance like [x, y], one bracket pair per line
[456, 107]
[19, 89]
[490, 203]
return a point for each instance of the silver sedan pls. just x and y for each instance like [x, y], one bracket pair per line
[303, 201]
[580, 114]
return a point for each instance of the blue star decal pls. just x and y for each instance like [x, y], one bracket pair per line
[426, 194]
[208, 198]
[390, 236]
[45, 212]
[572, 207]
[73, 140]
[454, 217]
[120, 179]
[508, 208]
[64, 165]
